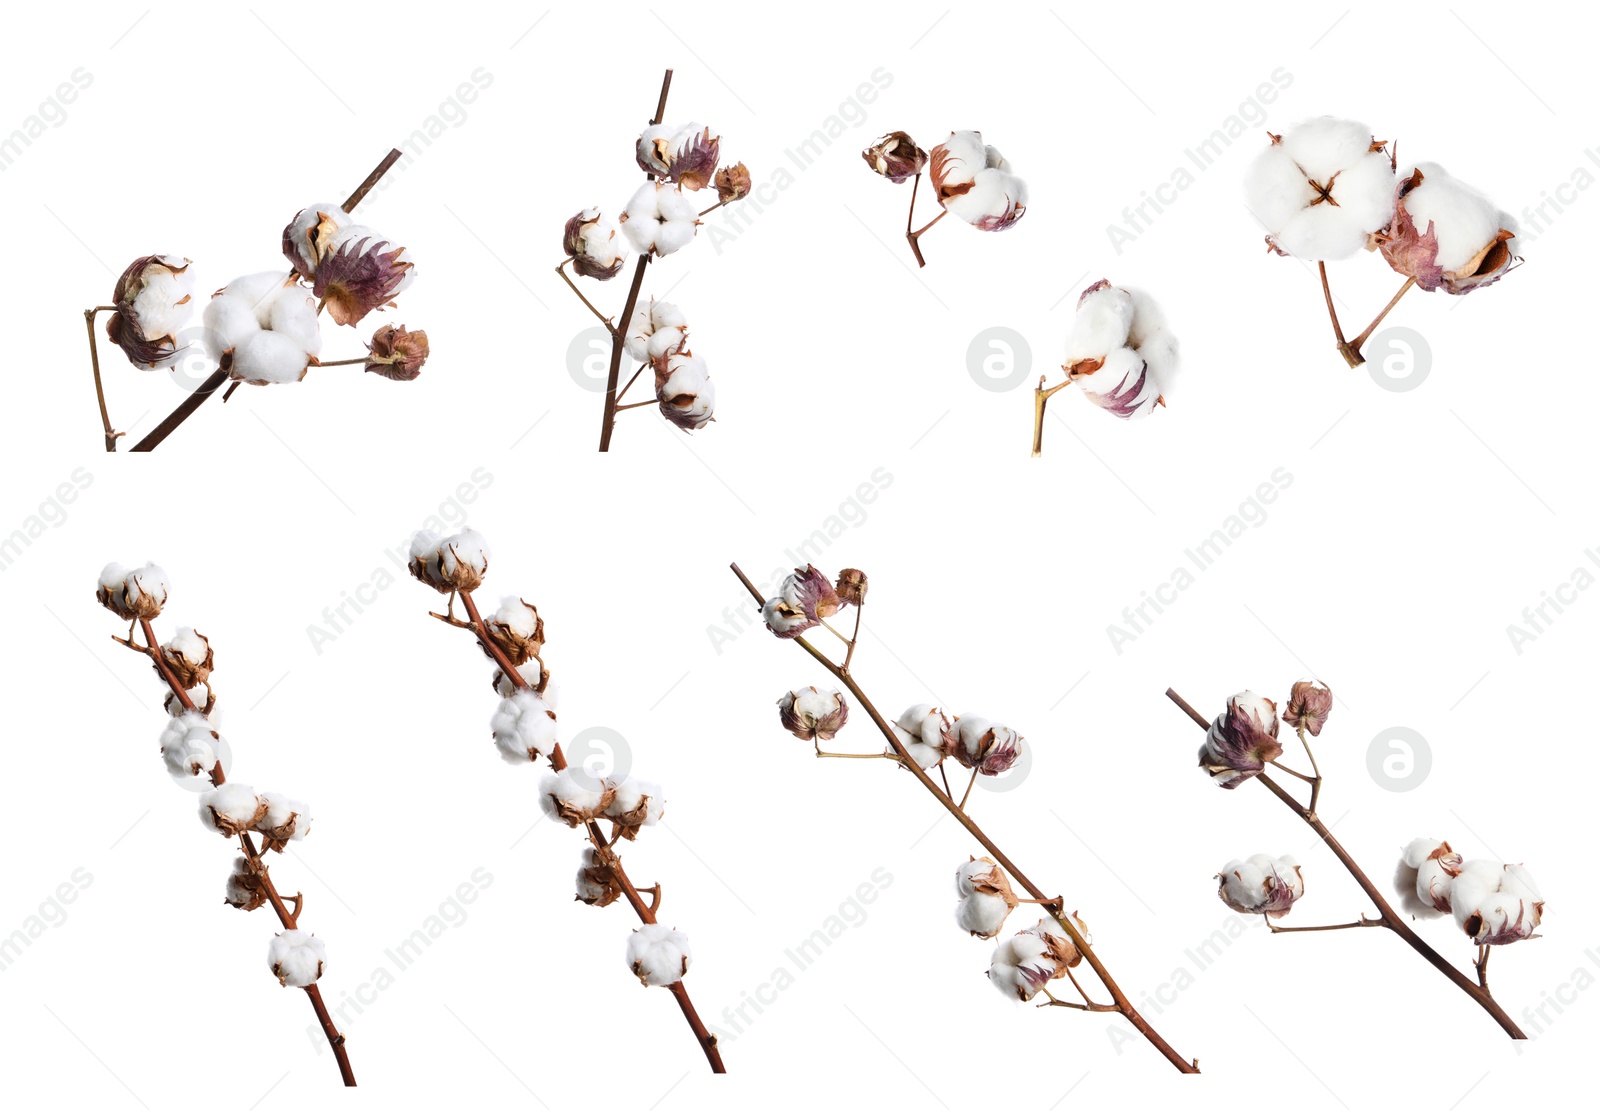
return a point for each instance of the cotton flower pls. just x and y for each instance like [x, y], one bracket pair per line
[231, 808]
[682, 154]
[361, 271]
[974, 182]
[986, 897]
[1424, 877]
[1261, 885]
[928, 734]
[1447, 235]
[284, 819]
[896, 157]
[1310, 701]
[189, 656]
[684, 392]
[1242, 740]
[1024, 963]
[1322, 189]
[189, 745]
[245, 890]
[572, 802]
[633, 804]
[397, 353]
[154, 297]
[296, 958]
[660, 219]
[132, 593]
[517, 629]
[658, 956]
[592, 241]
[263, 329]
[990, 748]
[1495, 903]
[658, 328]
[596, 882]
[450, 564]
[803, 600]
[307, 238]
[809, 714]
[1120, 351]
[524, 726]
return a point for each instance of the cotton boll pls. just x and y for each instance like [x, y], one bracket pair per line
[1477, 880]
[166, 298]
[1261, 885]
[989, 747]
[994, 201]
[226, 322]
[957, 161]
[982, 915]
[188, 745]
[283, 819]
[927, 734]
[658, 956]
[268, 358]
[1321, 190]
[450, 564]
[296, 958]
[686, 396]
[640, 218]
[634, 804]
[524, 727]
[1464, 221]
[230, 808]
[986, 897]
[294, 315]
[657, 328]
[595, 882]
[1121, 385]
[1105, 315]
[244, 890]
[1020, 967]
[572, 802]
[132, 594]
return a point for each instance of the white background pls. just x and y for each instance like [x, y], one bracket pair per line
[1417, 527]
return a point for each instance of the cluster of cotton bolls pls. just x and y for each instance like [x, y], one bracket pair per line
[153, 299]
[971, 179]
[524, 729]
[976, 742]
[1025, 962]
[1120, 351]
[263, 329]
[190, 744]
[1493, 903]
[1326, 189]
[658, 336]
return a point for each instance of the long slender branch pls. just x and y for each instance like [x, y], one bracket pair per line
[335, 1038]
[1056, 909]
[99, 388]
[1360, 340]
[211, 384]
[558, 761]
[1391, 919]
[608, 420]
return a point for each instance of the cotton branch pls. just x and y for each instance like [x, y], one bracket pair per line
[842, 672]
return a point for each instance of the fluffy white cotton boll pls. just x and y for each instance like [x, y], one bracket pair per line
[1020, 967]
[230, 808]
[567, 800]
[284, 815]
[1261, 885]
[517, 616]
[457, 562]
[592, 887]
[657, 328]
[639, 802]
[965, 154]
[226, 322]
[661, 218]
[293, 314]
[296, 958]
[1103, 321]
[687, 396]
[658, 955]
[1464, 220]
[257, 291]
[994, 196]
[165, 301]
[269, 358]
[640, 218]
[983, 915]
[524, 726]
[187, 643]
[1479, 878]
[133, 592]
[188, 745]
[1321, 190]
[1121, 385]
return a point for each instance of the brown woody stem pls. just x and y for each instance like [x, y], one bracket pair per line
[285, 918]
[915, 236]
[1360, 340]
[1040, 396]
[1123, 1005]
[99, 389]
[1390, 919]
[211, 384]
[561, 271]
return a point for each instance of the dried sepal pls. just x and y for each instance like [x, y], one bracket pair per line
[733, 182]
[361, 274]
[397, 353]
